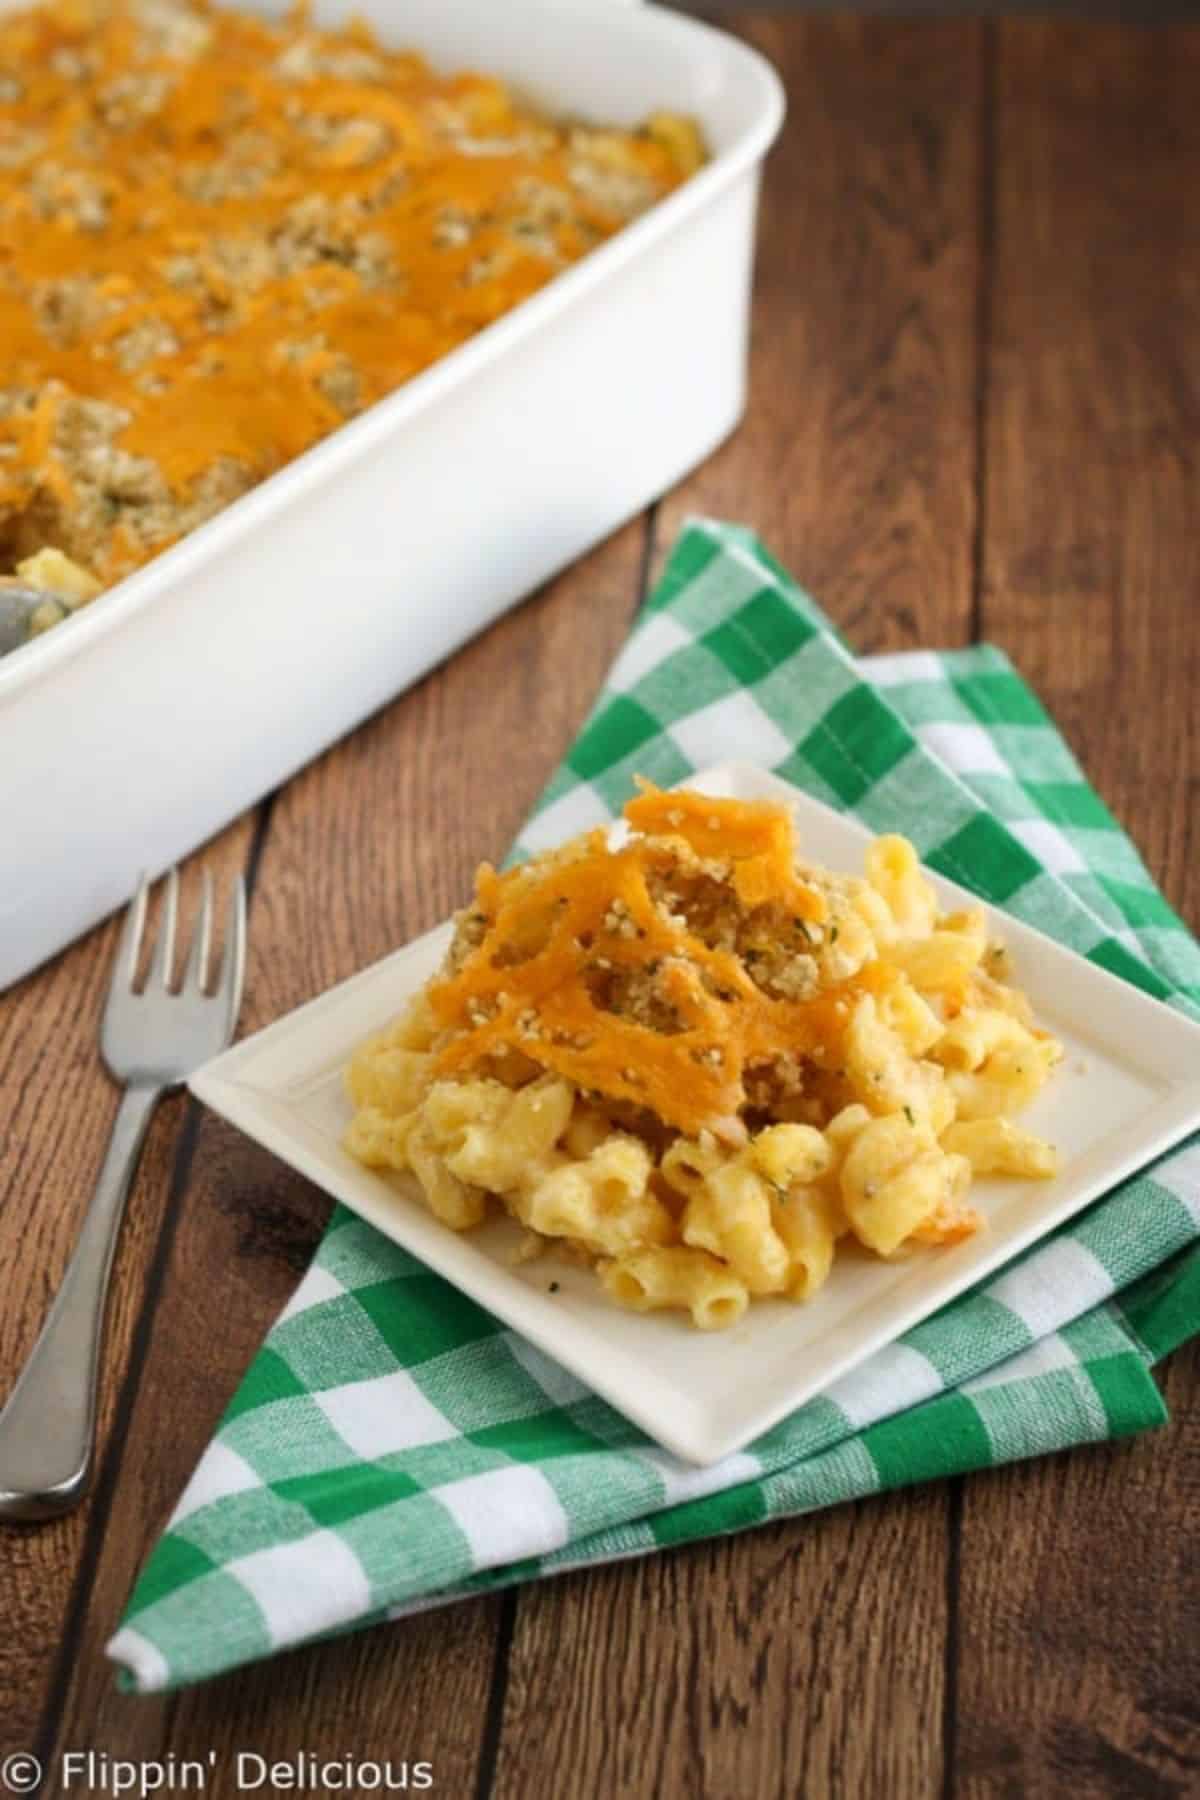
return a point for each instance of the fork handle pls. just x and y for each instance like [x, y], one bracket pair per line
[47, 1429]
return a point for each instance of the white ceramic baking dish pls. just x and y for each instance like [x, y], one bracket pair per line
[137, 730]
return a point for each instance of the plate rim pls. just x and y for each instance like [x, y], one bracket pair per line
[706, 1436]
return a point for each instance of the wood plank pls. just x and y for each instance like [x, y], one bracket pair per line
[802, 1659]
[857, 455]
[367, 847]
[1080, 1602]
[1091, 568]
[808, 1658]
[1080, 1641]
[59, 1108]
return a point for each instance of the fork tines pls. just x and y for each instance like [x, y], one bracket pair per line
[197, 969]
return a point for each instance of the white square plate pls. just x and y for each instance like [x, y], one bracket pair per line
[1127, 1090]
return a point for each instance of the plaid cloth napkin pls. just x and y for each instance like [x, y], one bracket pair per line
[393, 1447]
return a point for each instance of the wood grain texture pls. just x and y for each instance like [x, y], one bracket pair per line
[857, 454]
[1083, 1567]
[372, 844]
[1080, 1638]
[1091, 566]
[1137, 12]
[974, 404]
[58, 1108]
[744, 1666]
[749, 1666]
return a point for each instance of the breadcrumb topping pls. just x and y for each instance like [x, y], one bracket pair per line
[220, 238]
[686, 972]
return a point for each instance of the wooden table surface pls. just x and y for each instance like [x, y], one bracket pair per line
[975, 413]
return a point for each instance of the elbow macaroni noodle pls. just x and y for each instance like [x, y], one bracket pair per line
[864, 1071]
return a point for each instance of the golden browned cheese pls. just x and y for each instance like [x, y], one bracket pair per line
[220, 238]
[629, 971]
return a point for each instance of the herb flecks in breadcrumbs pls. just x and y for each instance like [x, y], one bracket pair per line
[220, 238]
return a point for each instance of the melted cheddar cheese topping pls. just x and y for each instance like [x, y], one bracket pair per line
[222, 237]
[559, 938]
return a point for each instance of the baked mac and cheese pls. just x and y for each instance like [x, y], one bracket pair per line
[223, 237]
[704, 1063]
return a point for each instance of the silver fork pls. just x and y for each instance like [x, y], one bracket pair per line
[150, 1041]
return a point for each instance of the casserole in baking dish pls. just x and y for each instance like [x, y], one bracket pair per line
[235, 234]
[207, 676]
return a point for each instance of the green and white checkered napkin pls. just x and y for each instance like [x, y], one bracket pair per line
[393, 1447]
